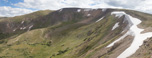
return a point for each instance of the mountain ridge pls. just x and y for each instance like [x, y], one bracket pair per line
[68, 33]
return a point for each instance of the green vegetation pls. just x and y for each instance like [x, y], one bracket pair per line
[63, 39]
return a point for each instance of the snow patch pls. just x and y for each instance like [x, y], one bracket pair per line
[21, 28]
[14, 30]
[118, 13]
[135, 31]
[30, 27]
[122, 37]
[138, 40]
[79, 10]
[100, 19]
[22, 22]
[121, 13]
[24, 28]
[60, 10]
[88, 14]
[115, 26]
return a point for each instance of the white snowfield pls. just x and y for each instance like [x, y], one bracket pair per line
[122, 37]
[22, 22]
[115, 26]
[88, 14]
[100, 19]
[30, 27]
[134, 31]
[60, 10]
[79, 10]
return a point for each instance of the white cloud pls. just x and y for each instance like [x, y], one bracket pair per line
[57, 4]
[41, 4]
[145, 6]
[142, 5]
[124, 3]
[139, 5]
[10, 12]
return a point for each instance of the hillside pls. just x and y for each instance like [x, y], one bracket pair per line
[77, 33]
[3, 17]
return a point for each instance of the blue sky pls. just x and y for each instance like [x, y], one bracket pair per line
[11, 8]
[9, 2]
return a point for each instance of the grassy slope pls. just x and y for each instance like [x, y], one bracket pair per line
[17, 21]
[66, 42]
[42, 47]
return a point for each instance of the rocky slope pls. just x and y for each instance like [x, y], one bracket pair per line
[145, 51]
[76, 33]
